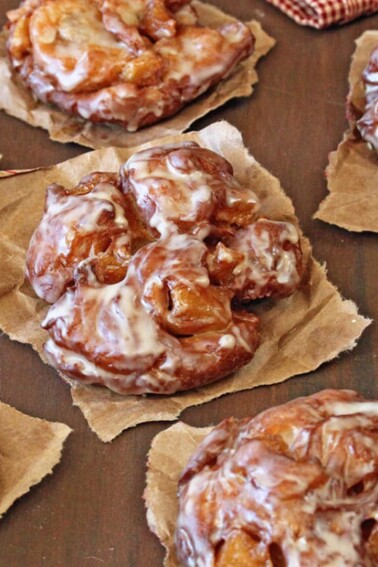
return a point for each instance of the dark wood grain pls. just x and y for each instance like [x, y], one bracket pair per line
[90, 512]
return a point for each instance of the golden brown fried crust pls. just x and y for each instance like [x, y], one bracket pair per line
[128, 263]
[297, 484]
[128, 62]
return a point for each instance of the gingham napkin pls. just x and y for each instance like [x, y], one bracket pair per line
[324, 13]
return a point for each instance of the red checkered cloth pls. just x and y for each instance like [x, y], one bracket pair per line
[324, 13]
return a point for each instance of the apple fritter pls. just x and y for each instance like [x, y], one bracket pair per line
[137, 266]
[368, 124]
[117, 61]
[295, 485]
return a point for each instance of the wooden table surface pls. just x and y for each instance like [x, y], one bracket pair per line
[90, 512]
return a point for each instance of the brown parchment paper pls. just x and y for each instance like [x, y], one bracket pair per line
[169, 453]
[29, 450]
[352, 173]
[8, 172]
[297, 334]
[17, 101]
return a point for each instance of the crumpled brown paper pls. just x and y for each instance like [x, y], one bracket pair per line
[163, 471]
[352, 173]
[29, 450]
[298, 333]
[8, 172]
[16, 100]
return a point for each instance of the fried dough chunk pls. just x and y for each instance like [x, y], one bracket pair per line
[263, 259]
[131, 63]
[138, 23]
[188, 188]
[296, 485]
[89, 220]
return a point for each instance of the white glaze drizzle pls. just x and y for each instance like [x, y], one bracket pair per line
[269, 259]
